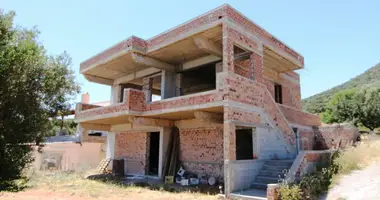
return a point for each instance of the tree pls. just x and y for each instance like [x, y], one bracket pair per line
[341, 108]
[361, 107]
[33, 88]
[368, 113]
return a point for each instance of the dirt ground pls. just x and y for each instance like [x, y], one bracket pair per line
[75, 187]
[361, 184]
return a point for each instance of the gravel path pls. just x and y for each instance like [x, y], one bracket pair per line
[362, 184]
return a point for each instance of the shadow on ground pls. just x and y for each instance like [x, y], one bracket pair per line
[154, 184]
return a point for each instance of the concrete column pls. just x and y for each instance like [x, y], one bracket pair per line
[147, 89]
[80, 132]
[115, 94]
[179, 85]
[228, 51]
[110, 151]
[251, 66]
[229, 148]
[164, 141]
[168, 84]
[218, 67]
[255, 143]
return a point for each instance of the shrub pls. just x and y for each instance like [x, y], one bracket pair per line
[312, 185]
[290, 192]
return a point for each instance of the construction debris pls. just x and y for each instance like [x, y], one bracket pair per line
[102, 167]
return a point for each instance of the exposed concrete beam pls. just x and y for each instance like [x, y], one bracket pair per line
[209, 117]
[151, 122]
[200, 61]
[121, 127]
[136, 75]
[151, 62]
[195, 123]
[206, 45]
[97, 79]
[99, 127]
[131, 127]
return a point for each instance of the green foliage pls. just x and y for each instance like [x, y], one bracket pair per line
[290, 192]
[341, 107]
[313, 185]
[369, 79]
[359, 107]
[368, 113]
[33, 88]
[59, 125]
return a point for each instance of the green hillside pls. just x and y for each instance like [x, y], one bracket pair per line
[370, 78]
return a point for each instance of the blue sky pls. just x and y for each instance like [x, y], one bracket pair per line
[339, 39]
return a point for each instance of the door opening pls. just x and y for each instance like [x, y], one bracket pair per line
[244, 147]
[154, 148]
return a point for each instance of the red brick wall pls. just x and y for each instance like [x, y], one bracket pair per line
[246, 23]
[306, 139]
[135, 100]
[252, 93]
[88, 106]
[291, 90]
[201, 150]
[133, 147]
[241, 115]
[299, 117]
[205, 97]
[242, 68]
[335, 136]
[270, 86]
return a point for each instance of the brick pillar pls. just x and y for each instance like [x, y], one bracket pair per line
[147, 89]
[272, 191]
[256, 67]
[228, 51]
[85, 98]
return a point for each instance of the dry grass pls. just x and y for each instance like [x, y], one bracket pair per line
[359, 157]
[76, 186]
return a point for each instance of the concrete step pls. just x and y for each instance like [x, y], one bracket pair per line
[250, 194]
[267, 179]
[284, 162]
[280, 164]
[258, 185]
[271, 173]
[275, 168]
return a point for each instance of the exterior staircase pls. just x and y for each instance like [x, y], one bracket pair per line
[272, 172]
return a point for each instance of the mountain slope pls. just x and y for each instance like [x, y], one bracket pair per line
[370, 78]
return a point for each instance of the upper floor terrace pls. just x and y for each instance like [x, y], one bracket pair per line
[186, 68]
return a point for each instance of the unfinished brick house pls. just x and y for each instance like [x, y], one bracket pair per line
[226, 83]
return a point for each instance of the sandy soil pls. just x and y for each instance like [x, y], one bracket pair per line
[362, 184]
